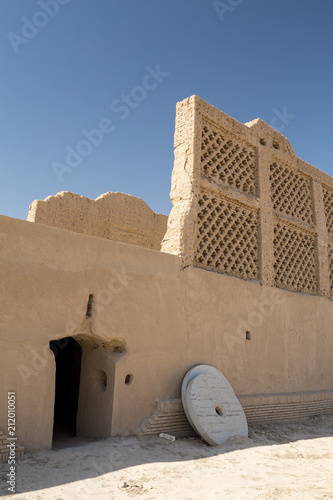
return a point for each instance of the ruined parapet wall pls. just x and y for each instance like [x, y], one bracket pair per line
[245, 205]
[113, 216]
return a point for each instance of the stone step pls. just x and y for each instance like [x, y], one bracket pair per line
[4, 450]
[4, 456]
[4, 447]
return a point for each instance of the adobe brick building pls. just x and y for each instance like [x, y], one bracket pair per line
[105, 305]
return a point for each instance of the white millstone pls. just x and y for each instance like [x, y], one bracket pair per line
[214, 409]
[194, 372]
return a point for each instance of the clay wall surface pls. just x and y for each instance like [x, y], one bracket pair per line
[148, 322]
[245, 205]
[113, 216]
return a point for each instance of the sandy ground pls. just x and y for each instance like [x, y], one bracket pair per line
[275, 462]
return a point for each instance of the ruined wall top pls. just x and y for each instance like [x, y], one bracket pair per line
[113, 216]
[245, 205]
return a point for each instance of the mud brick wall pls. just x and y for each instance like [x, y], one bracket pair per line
[113, 216]
[245, 205]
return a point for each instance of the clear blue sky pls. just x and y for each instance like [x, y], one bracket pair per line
[64, 76]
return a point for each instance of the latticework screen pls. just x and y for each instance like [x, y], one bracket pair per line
[295, 258]
[291, 193]
[227, 237]
[330, 266]
[294, 247]
[228, 160]
[328, 206]
[246, 206]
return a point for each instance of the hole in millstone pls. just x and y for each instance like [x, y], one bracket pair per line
[89, 306]
[128, 379]
[218, 410]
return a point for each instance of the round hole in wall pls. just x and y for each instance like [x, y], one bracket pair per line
[218, 410]
[128, 379]
[102, 379]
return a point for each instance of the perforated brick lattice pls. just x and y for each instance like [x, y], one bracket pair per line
[330, 266]
[291, 193]
[227, 237]
[294, 252]
[328, 205]
[226, 160]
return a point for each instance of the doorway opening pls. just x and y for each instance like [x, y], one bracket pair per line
[68, 354]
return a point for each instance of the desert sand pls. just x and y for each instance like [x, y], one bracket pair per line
[276, 461]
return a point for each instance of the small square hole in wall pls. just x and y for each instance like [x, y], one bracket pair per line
[248, 335]
[263, 142]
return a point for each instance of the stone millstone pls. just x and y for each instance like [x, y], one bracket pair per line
[214, 410]
[194, 372]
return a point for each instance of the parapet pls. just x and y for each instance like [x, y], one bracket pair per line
[245, 205]
[113, 216]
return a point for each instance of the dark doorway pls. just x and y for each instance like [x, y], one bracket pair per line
[67, 354]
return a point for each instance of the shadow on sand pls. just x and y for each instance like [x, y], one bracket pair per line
[74, 459]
